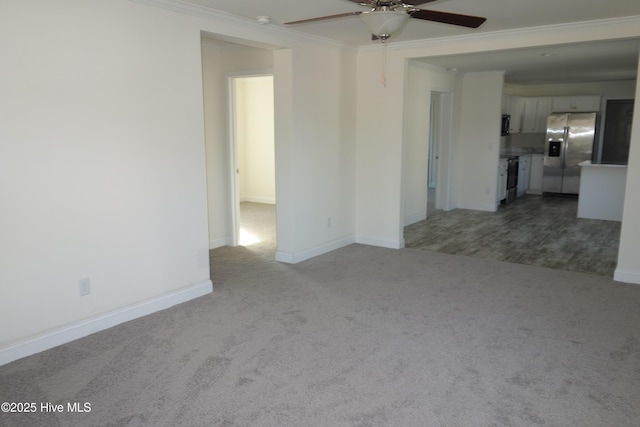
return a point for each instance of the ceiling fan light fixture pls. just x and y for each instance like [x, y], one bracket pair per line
[384, 23]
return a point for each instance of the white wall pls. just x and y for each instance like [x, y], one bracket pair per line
[102, 160]
[101, 163]
[477, 153]
[317, 133]
[628, 268]
[379, 216]
[609, 90]
[255, 139]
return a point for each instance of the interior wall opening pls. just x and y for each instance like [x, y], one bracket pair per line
[239, 171]
[254, 163]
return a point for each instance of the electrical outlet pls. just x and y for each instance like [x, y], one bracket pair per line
[84, 286]
[328, 222]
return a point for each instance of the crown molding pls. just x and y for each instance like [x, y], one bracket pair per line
[187, 8]
[625, 27]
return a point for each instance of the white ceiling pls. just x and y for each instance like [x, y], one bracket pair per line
[568, 63]
[614, 60]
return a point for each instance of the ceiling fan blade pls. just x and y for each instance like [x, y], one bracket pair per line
[368, 3]
[376, 3]
[415, 2]
[448, 18]
[322, 18]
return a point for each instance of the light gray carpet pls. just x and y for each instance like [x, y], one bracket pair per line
[361, 336]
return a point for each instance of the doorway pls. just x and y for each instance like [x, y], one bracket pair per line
[440, 120]
[432, 167]
[617, 132]
[252, 160]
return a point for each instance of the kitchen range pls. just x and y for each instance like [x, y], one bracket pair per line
[519, 174]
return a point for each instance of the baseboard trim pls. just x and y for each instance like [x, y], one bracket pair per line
[372, 241]
[627, 277]
[415, 217]
[257, 199]
[220, 242]
[486, 207]
[101, 322]
[310, 253]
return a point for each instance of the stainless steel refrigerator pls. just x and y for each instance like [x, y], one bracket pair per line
[569, 141]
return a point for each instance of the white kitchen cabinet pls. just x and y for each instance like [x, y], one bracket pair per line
[529, 114]
[543, 109]
[524, 168]
[535, 175]
[568, 104]
[501, 190]
[513, 106]
[516, 110]
[535, 112]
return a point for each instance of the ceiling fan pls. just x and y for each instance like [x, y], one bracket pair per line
[389, 16]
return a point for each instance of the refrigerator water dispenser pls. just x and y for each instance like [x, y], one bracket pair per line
[554, 148]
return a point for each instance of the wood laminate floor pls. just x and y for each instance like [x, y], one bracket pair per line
[533, 230]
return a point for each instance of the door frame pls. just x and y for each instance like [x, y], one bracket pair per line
[440, 145]
[234, 178]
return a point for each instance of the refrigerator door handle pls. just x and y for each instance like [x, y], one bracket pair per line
[565, 143]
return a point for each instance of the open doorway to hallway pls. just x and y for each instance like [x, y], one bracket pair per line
[439, 151]
[253, 159]
[238, 89]
[432, 168]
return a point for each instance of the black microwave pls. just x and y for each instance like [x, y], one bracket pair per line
[506, 124]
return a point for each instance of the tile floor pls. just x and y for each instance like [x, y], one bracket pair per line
[533, 230]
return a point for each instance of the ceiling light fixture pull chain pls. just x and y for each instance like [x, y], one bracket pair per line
[383, 77]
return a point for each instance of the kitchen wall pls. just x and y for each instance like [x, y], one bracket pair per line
[608, 90]
[478, 151]
[523, 143]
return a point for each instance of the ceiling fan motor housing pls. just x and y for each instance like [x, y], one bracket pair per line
[383, 23]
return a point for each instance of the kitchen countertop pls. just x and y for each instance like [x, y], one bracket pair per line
[519, 152]
[602, 188]
[601, 165]
[507, 154]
